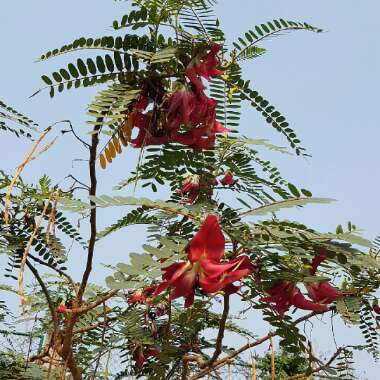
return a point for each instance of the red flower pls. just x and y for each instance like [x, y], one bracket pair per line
[228, 179]
[286, 294]
[376, 308]
[139, 355]
[190, 187]
[61, 309]
[181, 105]
[323, 292]
[317, 260]
[205, 68]
[141, 296]
[203, 267]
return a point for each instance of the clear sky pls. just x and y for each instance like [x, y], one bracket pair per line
[325, 84]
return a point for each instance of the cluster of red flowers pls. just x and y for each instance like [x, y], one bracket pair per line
[192, 186]
[204, 267]
[187, 116]
[285, 294]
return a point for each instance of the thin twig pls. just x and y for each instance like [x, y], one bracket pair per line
[21, 290]
[224, 361]
[222, 326]
[318, 369]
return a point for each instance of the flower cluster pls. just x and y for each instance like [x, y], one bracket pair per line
[285, 294]
[204, 267]
[186, 116]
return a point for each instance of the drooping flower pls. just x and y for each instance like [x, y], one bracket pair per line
[204, 67]
[181, 105]
[140, 355]
[317, 260]
[228, 179]
[323, 292]
[285, 294]
[190, 187]
[204, 267]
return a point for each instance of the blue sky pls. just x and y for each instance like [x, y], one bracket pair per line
[325, 84]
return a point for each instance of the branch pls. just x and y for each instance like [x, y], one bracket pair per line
[222, 326]
[86, 145]
[84, 309]
[318, 369]
[53, 312]
[92, 192]
[56, 269]
[227, 359]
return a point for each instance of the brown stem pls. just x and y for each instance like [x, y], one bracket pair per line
[84, 309]
[318, 369]
[71, 318]
[56, 269]
[53, 312]
[92, 192]
[222, 326]
[227, 359]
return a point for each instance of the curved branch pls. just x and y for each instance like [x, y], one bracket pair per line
[227, 359]
[222, 326]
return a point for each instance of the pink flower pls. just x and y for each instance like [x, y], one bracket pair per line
[190, 187]
[203, 267]
[228, 179]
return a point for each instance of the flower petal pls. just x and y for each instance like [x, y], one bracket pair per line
[299, 301]
[323, 292]
[208, 242]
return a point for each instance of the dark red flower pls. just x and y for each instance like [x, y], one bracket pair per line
[317, 260]
[181, 105]
[203, 267]
[376, 308]
[204, 67]
[190, 187]
[228, 179]
[285, 294]
[61, 309]
[138, 356]
[323, 292]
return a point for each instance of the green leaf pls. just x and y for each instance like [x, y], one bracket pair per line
[294, 190]
[274, 207]
[47, 80]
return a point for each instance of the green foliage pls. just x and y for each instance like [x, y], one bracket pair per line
[10, 115]
[245, 46]
[131, 65]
